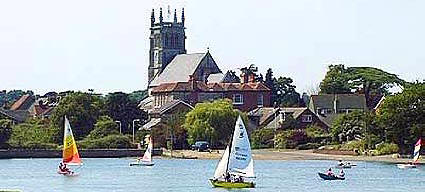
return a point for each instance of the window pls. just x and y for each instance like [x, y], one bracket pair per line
[260, 100]
[306, 118]
[237, 99]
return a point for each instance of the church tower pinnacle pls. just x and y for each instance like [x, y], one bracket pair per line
[167, 39]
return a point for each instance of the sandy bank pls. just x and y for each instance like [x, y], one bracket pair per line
[271, 154]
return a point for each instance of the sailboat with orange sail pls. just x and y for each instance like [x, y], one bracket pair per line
[70, 156]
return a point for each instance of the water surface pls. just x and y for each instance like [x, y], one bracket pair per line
[114, 174]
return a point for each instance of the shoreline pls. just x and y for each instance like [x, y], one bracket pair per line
[288, 155]
[258, 154]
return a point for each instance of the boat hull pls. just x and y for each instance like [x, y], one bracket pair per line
[141, 164]
[69, 174]
[225, 184]
[343, 166]
[330, 177]
[406, 166]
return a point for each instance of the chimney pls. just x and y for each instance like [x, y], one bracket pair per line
[251, 78]
[192, 82]
[335, 104]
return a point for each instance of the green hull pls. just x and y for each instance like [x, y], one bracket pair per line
[225, 184]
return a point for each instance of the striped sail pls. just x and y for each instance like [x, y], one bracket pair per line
[70, 154]
[417, 151]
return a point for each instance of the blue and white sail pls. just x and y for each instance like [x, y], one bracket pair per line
[240, 160]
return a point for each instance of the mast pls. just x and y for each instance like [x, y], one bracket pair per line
[230, 150]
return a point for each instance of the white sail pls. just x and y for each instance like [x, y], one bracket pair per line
[240, 160]
[148, 153]
[221, 169]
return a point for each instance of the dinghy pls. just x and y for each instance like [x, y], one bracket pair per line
[70, 156]
[146, 160]
[236, 164]
[416, 154]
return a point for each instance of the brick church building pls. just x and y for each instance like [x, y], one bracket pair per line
[174, 75]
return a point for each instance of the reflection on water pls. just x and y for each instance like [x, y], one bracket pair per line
[192, 175]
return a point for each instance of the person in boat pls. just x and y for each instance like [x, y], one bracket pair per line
[340, 163]
[329, 172]
[227, 177]
[342, 174]
[66, 169]
[61, 167]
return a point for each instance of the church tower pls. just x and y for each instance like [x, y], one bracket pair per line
[167, 40]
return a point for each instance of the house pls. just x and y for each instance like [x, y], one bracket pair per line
[17, 116]
[160, 120]
[285, 118]
[328, 106]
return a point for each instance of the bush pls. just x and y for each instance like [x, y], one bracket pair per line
[108, 142]
[387, 148]
[290, 139]
[262, 138]
[104, 126]
[37, 145]
[32, 134]
[308, 146]
[5, 131]
[359, 145]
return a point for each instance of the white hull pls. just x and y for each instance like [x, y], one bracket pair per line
[406, 166]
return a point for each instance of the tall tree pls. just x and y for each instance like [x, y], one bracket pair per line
[212, 122]
[82, 110]
[402, 116]
[120, 108]
[270, 83]
[286, 95]
[335, 81]
[370, 81]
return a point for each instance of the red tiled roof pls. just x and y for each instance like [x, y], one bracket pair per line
[210, 87]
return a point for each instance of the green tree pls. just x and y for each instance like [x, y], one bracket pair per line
[370, 81]
[402, 116]
[335, 81]
[82, 110]
[119, 107]
[104, 126]
[137, 96]
[349, 126]
[211, 121]
[286, 95]
[5, 130]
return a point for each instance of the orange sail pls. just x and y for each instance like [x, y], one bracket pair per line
[70, 154]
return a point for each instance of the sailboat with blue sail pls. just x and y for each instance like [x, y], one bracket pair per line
[416, 154]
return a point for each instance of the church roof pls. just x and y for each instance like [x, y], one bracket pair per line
[180, 68]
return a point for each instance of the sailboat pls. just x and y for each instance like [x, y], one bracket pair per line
[146, 160]
[236, 164]
[70, 154]
[416, 154]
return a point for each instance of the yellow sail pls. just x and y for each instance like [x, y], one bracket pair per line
[70, 152]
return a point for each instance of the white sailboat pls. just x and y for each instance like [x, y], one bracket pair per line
[236, 164]
[416, 154]
[70, 155]
[146, 160]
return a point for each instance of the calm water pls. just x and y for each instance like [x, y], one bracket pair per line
[192, 175]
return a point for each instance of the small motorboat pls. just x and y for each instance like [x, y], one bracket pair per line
[330, 177]
[345, 166]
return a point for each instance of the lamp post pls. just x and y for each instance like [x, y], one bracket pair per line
[275, 124]
[119, 122]
[135, 120]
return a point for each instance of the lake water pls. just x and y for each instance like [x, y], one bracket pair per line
[192, 175]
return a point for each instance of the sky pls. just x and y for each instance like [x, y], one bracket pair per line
[57, 45]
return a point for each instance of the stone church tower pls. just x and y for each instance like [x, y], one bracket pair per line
[167, 40]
